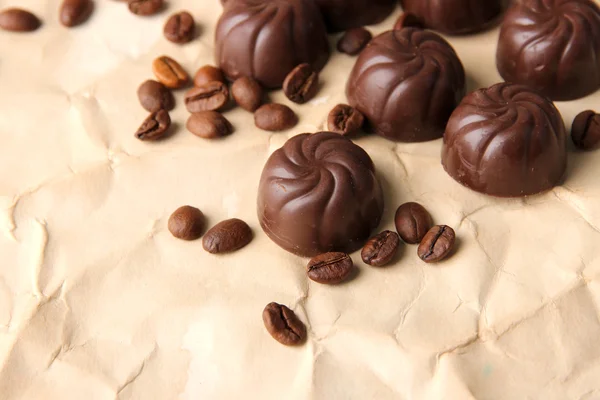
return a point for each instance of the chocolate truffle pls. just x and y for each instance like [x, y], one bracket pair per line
[455, 17]
[507, 140]
[319, 193]
[266, 39]
[407, 83]
[345, 14]
[552, 46]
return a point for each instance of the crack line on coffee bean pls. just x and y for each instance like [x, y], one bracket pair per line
[433, 243]
[286, 322]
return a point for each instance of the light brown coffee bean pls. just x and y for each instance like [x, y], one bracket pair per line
[186, 223]
[154, 96]
[354, 40]
[585, 130]
[301, 84]
[437, 244]
[275, 117]
[380, 249]
[330, 268]
[344, 120]
[169, 72]
[283, 325]
[179, 28]
[247, 93]
[18, 20]
[227, 236]
[413, 221]
[209, 125]
[209, 97]
[155, 126]
[145, 7]
[75, 12]
[408, 20]
[208, 73]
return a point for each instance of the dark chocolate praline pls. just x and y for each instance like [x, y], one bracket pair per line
[341, 15]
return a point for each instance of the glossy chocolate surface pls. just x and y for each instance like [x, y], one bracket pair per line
[266, 39]
[507, 141]
[319, 193]
[345, 14]
[407, 83]
[552, 46]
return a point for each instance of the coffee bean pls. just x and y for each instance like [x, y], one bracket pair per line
[247, 93]
[75, 12]
[154, 96]
[354, 40]
[275, 117]
[585, 130]
[301, 84]
[408, 20]
[437, 244]
[18, 20]
[155, 126]
[208, 97]
[380, 249]
[180, 27]
[145, 7]
[412, 222]
[344, 119]
[186, 223]
[330, 268]
[208, 73]
[226, 236]
[169, 72]
[283, 325]
[209, 125]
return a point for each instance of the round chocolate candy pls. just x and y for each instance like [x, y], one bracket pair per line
[266, 39]
[345, 14]
[552, 46]
[507, 140]
[455, 17]
[319, 193]
[407, 83]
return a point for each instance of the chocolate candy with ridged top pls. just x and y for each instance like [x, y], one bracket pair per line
[345, 14]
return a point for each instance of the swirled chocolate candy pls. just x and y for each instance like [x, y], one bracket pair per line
[407, 83]
[319, 193]
[345, 14]
[455, 17]
[507, 140]
[552, 46]
[266, 39]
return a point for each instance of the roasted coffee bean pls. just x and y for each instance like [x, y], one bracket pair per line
[585, 130]
[186, 223]
[169, 72]
[344, 119]
[275, 117]
[145, 7]
[247, 93]
[413, 221]
[208, 73]
[155, 126]
[354, 40]
[209, 97]
[301, 84]
[227, 236]
[380, 249]
[408, 20]
[18, 20]
[154, 96]
[437, 244]
[209, 125]
[180, 27]
[330, 268]
[283, 325]
[75, 12]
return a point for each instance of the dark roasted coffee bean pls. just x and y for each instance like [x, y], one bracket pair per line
[585, 130]
[154, 96]
[169, 72]
[413, 221]
[437, 244]
[180, 27]
[145, 7]
[186, 223]
[330, 268]
[301, 84]
[208, 73]
[275, 117]
[226, 236]
[354, 40]
[209, 125]
[247, 93]
[155, 126]
[75, 12]
[18, 20]
[209, 97]
[283, 325]
[344, 119]
[380, 249]
[408, 20]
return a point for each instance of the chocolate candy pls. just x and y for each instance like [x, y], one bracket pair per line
[407, 83]
[345, 14]
[318, 194]
[507, 140]
[455, 17]
[552, 46]
[266, 39]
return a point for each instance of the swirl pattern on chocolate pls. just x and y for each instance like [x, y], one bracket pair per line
[319, 193]
[266, 39]
[407, 83]
[345, 14]
[507, 140]
[552, 46]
